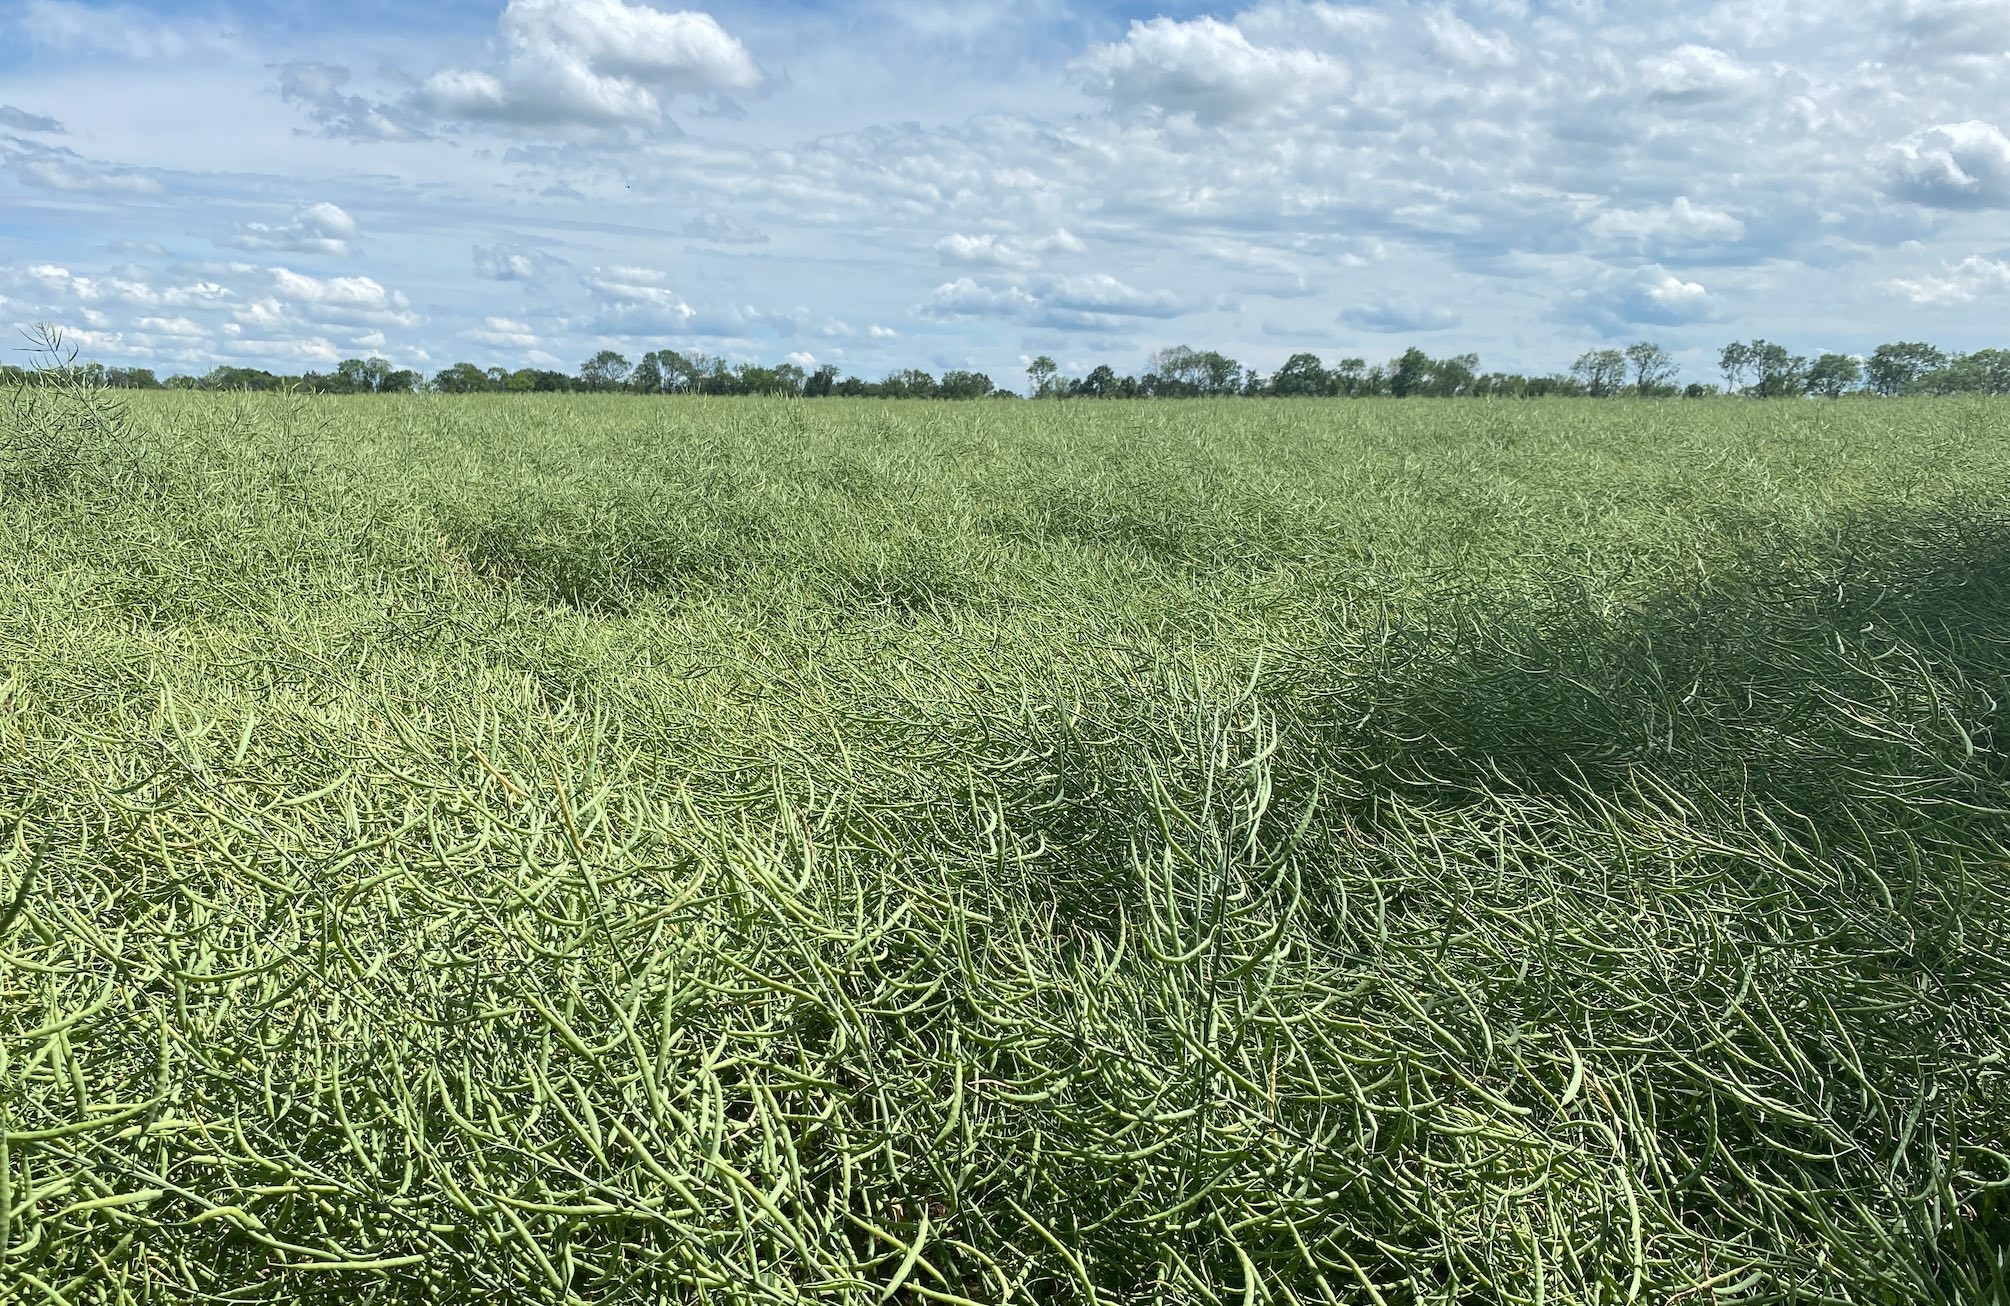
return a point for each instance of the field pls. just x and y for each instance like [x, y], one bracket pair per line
[621, 851]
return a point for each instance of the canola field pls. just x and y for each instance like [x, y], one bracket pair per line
[611, 850]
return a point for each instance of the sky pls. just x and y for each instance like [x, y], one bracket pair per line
[970, 183]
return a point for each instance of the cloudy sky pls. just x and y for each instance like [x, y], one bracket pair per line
[965, 183]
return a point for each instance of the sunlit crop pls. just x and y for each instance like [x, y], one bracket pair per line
[615, 850]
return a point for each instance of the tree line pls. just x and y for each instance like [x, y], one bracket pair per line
[1757, 368]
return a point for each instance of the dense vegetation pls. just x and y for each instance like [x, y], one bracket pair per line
[570, 849]
[1758, 368]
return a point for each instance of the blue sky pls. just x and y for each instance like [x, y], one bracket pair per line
[913, 183]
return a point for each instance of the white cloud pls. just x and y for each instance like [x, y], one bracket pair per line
[1097, 302]
[632, 299]
[1680, 221]
[317, 229]
[54, 168]
[1973, 278]
[719, 229]
[172, 326]
[1207, 70]
[506, 333]
[21, 120]
[1657, 296]
[318, 89]
[994, 251]
[1462, 43]
[117, 30]
[966, 298]
[294, 300]
[504, 262]
[1101, 293]
[985, 251]
[1694, 74]
[1389, 317]
[592, 63]
[1957, 165]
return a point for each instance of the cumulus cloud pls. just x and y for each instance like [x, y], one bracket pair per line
[294, 300]
[1206, 70]
[506, 333]
[54, 168]
[591, 64]
[317, 229]
[1677, 222]
[21, 120]
[1958, 165]
[1097, 302]
[1103, 295]
[993, 251]
[129, 288]
[966, 298]
[1455, 39]
[1958, 28]
[633, 299]
[1389, 317]
[317, 88]
[719, 229]
[1697, 74]
[507, 262]
[1973, 278]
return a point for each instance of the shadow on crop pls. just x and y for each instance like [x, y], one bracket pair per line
[1868, 664]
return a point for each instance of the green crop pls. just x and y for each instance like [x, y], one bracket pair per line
[609, 851]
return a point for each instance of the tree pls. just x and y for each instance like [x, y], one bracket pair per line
[606, 370]
[1185, 373]
[1040, 374]
[463, 379]
[1781, 375]
[1984, 372]
[965, 385]
[1602, 372]
[821, 382]
[1831, 374]
[1100, 383]
[1653, 368]
[1735, 362]
[1892, 369]
[1351, 376]
[909, 383]
[647, 378]
[1410, 374]
[1302, 375]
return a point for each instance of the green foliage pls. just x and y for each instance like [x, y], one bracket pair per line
[621, 852]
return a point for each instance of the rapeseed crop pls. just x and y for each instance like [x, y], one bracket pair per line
[611, 850]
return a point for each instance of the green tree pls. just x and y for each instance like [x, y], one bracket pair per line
[462, 379]
[1040, 374]
[1735, 362]
[1654, 368]
[1100, 383]
[965, 385]
[1832, 374]
[1781, 375]
[606, 370]
[1984, 372]
[1185, 372]
[1892, 369]
[1302, 376]
[647, 378]
[1602, 372]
